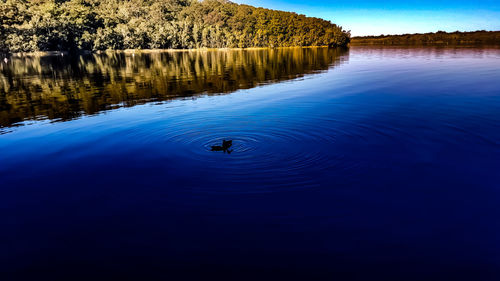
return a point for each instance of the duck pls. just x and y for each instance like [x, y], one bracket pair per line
[226, 144]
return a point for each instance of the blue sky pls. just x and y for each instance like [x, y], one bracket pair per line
[395, 17]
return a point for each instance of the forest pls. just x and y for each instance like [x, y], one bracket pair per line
[439, 38]
[93, 25]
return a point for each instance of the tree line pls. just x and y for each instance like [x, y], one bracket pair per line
[439, 38]
[91, 25]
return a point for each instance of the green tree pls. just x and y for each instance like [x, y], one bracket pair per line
[44, 25]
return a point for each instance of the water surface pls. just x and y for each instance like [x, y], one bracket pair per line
[363, 164]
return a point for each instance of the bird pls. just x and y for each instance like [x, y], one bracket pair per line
[226, 144]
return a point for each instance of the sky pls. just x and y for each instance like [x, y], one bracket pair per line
[363, 17]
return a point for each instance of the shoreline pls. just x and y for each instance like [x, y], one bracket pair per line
[151, 51]
[496, 46]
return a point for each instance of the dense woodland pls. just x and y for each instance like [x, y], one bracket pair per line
[439, 38]
[69, 25]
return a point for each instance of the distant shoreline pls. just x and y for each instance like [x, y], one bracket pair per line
[440, 38]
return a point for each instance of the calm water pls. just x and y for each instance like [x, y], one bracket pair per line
[360, 164]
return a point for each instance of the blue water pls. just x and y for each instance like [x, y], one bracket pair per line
[377, 164]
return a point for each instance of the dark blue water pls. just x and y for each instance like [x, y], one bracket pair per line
[366, 164]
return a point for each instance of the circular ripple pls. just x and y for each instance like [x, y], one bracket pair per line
[266, 156]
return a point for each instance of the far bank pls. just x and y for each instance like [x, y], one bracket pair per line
[439, 38]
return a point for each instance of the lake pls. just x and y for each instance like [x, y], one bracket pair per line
[368, 163]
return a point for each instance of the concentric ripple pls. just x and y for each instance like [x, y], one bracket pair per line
[266, 155]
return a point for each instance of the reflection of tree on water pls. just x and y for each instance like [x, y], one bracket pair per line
[62, 88]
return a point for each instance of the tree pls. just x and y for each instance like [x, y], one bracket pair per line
[71, 25]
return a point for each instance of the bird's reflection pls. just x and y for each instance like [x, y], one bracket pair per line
[226, 144]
